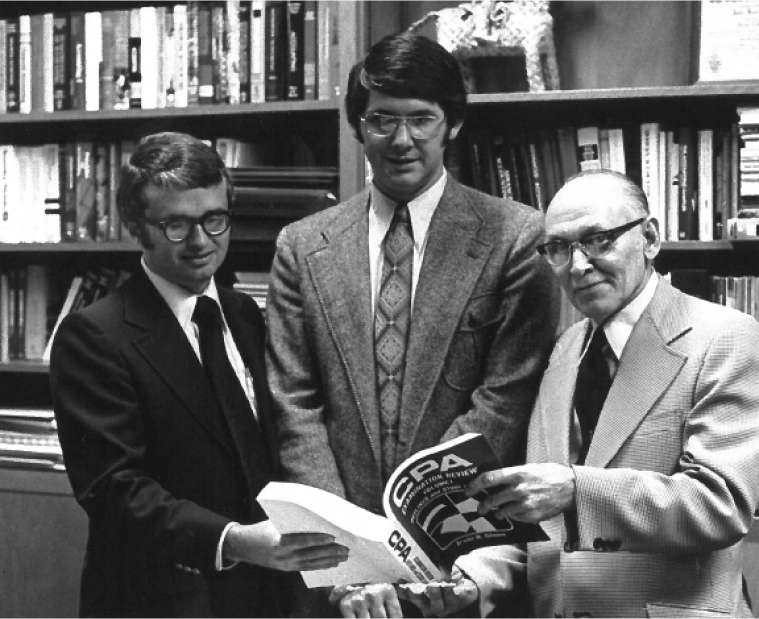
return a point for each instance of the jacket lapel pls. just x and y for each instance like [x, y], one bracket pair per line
[339, 268]
[647, 368]
[165, 347]
[458, 248]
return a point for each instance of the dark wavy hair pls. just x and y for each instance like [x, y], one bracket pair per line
[407, 66]
[174, 161]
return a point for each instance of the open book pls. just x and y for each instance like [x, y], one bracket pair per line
[429, 523]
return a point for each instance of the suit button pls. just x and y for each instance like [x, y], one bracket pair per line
[615, 544]
[558, 615]
[599, 544]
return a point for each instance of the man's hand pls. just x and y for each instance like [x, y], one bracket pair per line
[262, 545]
[530, 493]
[439, 599]
[379, 600]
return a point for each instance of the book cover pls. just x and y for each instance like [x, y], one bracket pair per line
[76, 60]
[257, 51]
[309, 50]
[275, 42]
[588, 148]
[244, 41]
[294, 56]
[61, 62]
[42, 62]
[428, 522]
[12, 92]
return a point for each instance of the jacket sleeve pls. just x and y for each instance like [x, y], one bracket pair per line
[294, 379]
[103, 435]
[521, 345]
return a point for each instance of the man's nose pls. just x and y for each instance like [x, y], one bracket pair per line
[579, 260]
[402, 135]
[198, 236]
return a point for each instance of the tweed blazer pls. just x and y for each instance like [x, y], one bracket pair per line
[670, 482]
[482, 326]
[152, 461]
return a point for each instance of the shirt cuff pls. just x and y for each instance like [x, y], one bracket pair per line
[493, 570]
[220, 563]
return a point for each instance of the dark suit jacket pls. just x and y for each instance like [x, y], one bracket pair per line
[483, 323]
[151, 460]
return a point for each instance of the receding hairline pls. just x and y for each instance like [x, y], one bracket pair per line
[634, 198]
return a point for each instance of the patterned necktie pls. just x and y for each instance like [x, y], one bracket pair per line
[391, 328]
[226, 386]
[593, 383]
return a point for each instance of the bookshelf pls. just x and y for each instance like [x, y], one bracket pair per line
[37, 506]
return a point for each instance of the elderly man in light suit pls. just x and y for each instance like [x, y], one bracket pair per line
[483, 302]
[647, 511]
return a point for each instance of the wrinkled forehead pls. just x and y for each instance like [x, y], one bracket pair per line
[586, 205]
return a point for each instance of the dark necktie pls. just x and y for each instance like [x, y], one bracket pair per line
[593, 383]
[229, 393]
[391, 328]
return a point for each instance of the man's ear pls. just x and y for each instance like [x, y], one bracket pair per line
[653, 238]
[454, 130]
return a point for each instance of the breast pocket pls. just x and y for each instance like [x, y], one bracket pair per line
[472, 341]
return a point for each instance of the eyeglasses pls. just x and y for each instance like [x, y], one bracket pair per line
[419, 127]
[214, 223]
[596, 245]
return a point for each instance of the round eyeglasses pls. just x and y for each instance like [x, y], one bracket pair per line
[419, 127]
[558, 253]
[178, 229]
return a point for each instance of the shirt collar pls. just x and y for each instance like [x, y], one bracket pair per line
[421, 209]
[619, 328]
[180, 301]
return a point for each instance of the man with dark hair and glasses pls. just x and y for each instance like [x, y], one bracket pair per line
[413, 312]
[643, 446]
[164, 413]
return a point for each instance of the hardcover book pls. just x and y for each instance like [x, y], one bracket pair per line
[429, 520]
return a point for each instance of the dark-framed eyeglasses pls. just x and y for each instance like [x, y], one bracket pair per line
[178, 229]
[596, 245]
[419, 127]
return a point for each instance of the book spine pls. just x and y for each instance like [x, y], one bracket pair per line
[336, 76]
[149, 50]
[567, 141]
[135, 59]
[245, 25]
[4, 317]
[193, 62]
[52, 196]
[35, 322]
[205, 55]
[649, 164]
[102, 191]
[671, 226]
[86, 191]
[617, 151]
[3, 68]
[93, 56]
[603, 148]
[706, 185]
[295, 50]
[219, 53]
[257, 51]
[275, 42]
[67, 204]
[323, 50]
[309, 50]
[114, 170]
[688, 225]
[232, 35]
[538, 176]
[13, 94]
[588, 148]
[61, 63]
[76, 59]
[25, 64]
[37, 42]
[181, 60]
[161, 48]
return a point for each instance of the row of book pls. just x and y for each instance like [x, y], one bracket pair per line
[749, 159]
[180, 55]
[29, 439]
[33, 301]
[254, 284]
[690, 175]
[67, 192]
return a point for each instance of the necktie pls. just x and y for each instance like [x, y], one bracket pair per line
[233, 402]
[593, 383]
[391, 328]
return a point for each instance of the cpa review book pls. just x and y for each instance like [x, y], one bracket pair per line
[429, 520]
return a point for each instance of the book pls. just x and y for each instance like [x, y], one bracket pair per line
[205, 55]
[244, 17]
[233, 33]
[706, 213]
[179, 67]
[93, 56]
[35, 322]
[588, 148]
[12, 92]
[275, 51]
[567, 142]
[688, 215]
[76, 60]
[114, 173]
[149, 49]
[324, 49]
[309, 50]
[61, 62]
[25, 64]
[257, 51]
[650, 168]
[219, 53]
[135, 58]
[86, 191]
[67, 193]
[617, 151]
[295, 15]
[114, 87]
[428, 520]
[102, 189]
[193, 62]
[672, 210]
[42, 62]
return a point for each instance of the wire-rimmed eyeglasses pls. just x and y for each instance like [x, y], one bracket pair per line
[419, 127]
[178, 229]
[597, 245]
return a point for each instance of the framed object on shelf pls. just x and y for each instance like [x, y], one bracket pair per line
[729, 43]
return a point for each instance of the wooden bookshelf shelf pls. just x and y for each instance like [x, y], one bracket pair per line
[25, 367]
